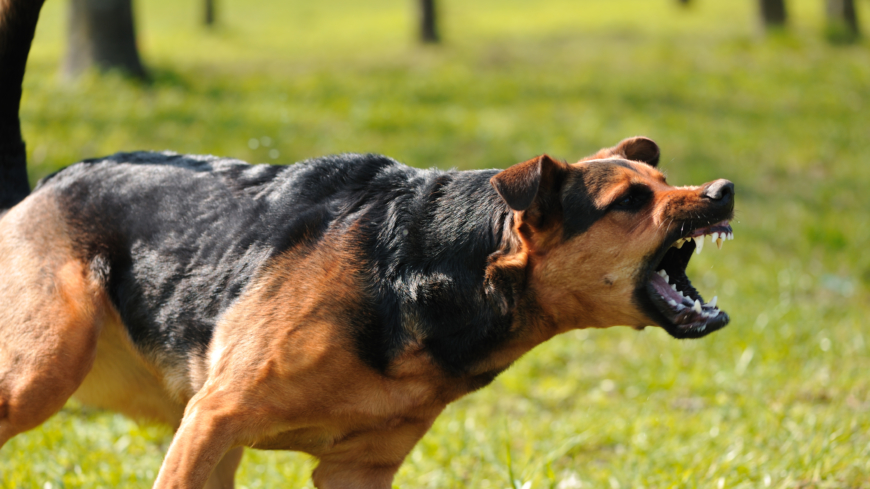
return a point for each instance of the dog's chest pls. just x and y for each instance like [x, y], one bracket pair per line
[372, 405]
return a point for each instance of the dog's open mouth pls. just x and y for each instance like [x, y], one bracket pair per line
[672, 292]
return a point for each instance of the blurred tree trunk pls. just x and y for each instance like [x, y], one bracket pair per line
[773, 13]
[428, 22]
[842, 19]
[684, 3]
[17, 26]
[209, 13]
[102, 34]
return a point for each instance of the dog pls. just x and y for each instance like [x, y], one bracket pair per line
[334, 306]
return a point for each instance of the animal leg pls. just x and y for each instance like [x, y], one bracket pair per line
[224, 474]
[201, 448]
[369, 460]
[50, 317]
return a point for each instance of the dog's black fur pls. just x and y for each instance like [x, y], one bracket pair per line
[178, 238]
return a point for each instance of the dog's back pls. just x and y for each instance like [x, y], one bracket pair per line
[173, 240]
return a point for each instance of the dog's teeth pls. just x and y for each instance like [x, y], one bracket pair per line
[674, 286]
[697, 306]
[714, 237]
[712, 302]
[699, 244]
[730, 236]
[672, 303]
[719, 243]
[679, 243]
[662, 273]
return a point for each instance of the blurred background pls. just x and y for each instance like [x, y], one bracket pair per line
[773, 96]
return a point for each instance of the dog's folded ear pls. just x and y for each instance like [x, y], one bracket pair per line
[637, 148]
[520, 184]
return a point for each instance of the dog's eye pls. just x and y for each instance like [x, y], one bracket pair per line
[633, 200]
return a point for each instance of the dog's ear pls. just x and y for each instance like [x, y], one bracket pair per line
[523, 184]
[637, 148]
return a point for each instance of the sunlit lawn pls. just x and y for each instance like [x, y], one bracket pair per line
[780, 398]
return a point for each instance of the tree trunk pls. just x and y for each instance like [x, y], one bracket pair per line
[773, 13]
[842, 19]
[17, 26]
[209, 13]
[428, 22]
[102, 35]
[684, 3]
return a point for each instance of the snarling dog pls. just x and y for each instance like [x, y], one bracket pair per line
[334, 306]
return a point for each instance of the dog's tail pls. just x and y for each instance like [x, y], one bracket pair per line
[17, 27]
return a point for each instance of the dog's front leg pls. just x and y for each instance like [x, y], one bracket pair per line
[210, 428]
[370, 459]
[224, 475]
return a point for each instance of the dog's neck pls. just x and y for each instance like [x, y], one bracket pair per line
[469, 305]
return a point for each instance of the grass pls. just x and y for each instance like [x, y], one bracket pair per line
[780, 398]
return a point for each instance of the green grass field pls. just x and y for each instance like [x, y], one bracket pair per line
[780, 398]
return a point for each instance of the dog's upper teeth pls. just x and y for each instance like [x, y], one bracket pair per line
[674, 286]
[716, 237]
[697, 306]
[712, 302]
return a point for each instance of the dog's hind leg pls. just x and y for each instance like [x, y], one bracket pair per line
[50, 315]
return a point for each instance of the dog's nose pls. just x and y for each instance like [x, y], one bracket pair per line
[720, 190]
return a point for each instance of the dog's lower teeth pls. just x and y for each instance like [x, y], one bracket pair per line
[697, 306]
[712, 302]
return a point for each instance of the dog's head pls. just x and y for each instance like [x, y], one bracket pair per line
[606, 241]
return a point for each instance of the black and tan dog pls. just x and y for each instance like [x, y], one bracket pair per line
[334, 306]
